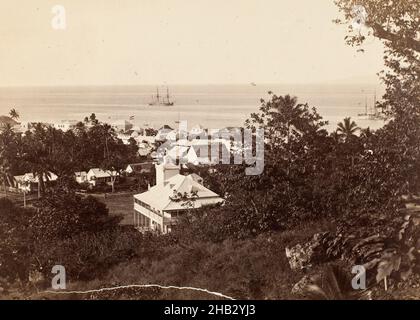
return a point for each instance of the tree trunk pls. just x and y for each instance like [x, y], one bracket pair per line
[41, 186]
[5, 189]
[8, 180]
[24, 199]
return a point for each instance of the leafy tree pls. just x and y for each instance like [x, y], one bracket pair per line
[61, 213]
[397, 25]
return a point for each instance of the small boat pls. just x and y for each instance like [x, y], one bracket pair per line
[160, 101]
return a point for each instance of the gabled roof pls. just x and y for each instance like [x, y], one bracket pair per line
[99, 173]
[159, 196]
[29, 177]
[196, 177]
[143, 166]
[166, 127]
[177, 152]
[19, 178]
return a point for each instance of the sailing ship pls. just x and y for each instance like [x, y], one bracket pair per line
[373, 114]
[158, 100]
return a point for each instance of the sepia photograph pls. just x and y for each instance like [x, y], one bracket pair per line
[195, 153]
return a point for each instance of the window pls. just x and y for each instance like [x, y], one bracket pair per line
[145, 205]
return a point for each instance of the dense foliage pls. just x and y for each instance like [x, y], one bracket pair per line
[44, 149]
[355, 179]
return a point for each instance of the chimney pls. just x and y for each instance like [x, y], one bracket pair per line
[165, 171]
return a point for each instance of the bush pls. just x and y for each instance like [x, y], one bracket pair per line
[14, 240]
[87, 255]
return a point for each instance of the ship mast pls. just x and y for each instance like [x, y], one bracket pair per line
[157, 94]
[167, 94]
[366, 106]
[374, 103]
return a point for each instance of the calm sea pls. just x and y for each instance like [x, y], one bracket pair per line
[213, 106]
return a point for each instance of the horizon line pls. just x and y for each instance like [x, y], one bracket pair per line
[326, 83]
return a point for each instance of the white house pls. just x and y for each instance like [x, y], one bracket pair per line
[143, 167]
[66, 125]
[144, 149]
[199, 152]
[97, 176]
[158, 208]
[178, 153]
[163, 132]
[172, 135]
[124, 137]
[81, 176]
[198, 130]
[148, 139]
[29, 183]
[121, 125]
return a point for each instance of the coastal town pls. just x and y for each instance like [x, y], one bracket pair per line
[209, 150]
[157, 208]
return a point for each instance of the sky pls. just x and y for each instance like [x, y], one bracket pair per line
[136, 42]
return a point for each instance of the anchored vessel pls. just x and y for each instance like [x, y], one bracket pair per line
[158, 100]
[373, 114]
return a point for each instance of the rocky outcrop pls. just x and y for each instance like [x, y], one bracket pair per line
[303, 256]
[387, 249]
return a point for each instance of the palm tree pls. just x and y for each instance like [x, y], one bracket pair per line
[40, 169]
[7, 138]
[38, 156]
[347, 129]
[4, 173]
[14, 114]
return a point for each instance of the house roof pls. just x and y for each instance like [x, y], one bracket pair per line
[177, 152]
[166, 127]
[159, 196]
[196, 177]
[19, 178]
[143, 152]
[99, 173]
[29, 177]
[146, 166]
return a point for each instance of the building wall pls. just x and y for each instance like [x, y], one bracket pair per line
[155, 219]
[148, 219]
[163, 174]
